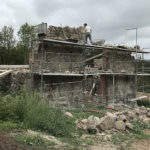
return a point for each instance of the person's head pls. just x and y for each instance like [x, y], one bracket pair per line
[85, 24]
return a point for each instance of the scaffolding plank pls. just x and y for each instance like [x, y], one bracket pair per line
[89, 74]
[106, 73]
[127, 74]
[58, 74]
[93, 46]
[6, 67]
[143, 74]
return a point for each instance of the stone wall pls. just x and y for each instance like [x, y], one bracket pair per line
[61, 91]
[15, 80]
[62, 33]
[57, 59]
[120, 62]
[99, 90]
[113, 61]
[68, 91]
[123, 88]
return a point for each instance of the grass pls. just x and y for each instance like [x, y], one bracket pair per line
[35, 141]
[84, 113]
[10, 126]
[139, 126]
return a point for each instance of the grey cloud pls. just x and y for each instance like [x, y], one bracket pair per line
[108, 18]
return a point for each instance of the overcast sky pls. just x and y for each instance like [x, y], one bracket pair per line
[108, 18]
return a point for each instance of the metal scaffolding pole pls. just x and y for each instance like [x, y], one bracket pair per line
[41, 69]
[84, 77]
[113, 89]
[136, 38]
[113, 79]
[136, 66]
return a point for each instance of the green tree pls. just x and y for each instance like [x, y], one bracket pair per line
[26, 35]
[7, 43]
[7, 39]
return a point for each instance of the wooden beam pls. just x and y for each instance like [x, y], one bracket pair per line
[96, 56]
[93, 87]
[5, 73]
[139, 98]
[12, 67]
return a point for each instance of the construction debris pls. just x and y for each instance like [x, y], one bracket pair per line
[121, 121]
[66, 33]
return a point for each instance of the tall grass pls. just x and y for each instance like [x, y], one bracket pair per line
[145, 103]
[35, 113]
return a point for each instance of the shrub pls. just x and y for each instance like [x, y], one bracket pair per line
[145, 103]
[11, 108]
[35, 114]
[39, 116]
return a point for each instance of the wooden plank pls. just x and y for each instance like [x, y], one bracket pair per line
[5, 73]
[138, 98]
[6, 67]
[93, 46]
[96, 56]
[63, 32]
[93, 87]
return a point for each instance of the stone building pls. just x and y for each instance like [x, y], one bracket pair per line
[70, 73]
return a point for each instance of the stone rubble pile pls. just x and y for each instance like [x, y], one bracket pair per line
[63, 33]
[121, 121]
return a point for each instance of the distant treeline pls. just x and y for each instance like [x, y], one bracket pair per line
[15, 50]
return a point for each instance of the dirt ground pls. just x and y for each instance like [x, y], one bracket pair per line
[103, 147]
[7, 143]
[142, 144]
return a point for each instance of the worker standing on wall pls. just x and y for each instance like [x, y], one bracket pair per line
[88, 33]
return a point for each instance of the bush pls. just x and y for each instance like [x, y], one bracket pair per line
[39, 116]
[12, 107]
[145, 103]
[35, 114]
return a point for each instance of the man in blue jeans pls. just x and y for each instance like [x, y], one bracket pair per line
[88, 32]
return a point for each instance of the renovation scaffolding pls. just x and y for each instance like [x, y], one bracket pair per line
[75, 74]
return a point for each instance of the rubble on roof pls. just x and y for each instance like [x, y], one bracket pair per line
[125, 47]
[77, 35]
[65, 33]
